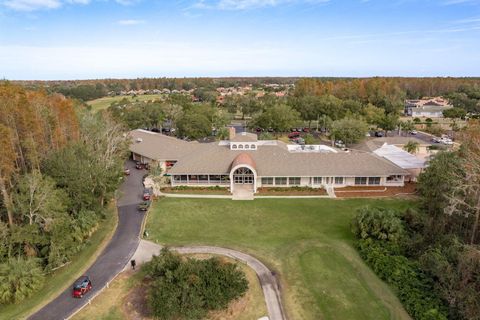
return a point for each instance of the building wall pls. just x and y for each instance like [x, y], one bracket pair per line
[304, 182]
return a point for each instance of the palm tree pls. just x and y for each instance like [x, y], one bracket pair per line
[411, 147]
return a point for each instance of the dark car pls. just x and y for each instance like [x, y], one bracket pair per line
[81, 287]
[294, 134]
[155, 130]
[139, 165]
[146, 194]
[144, 206]
[379, 134]
[258, 130]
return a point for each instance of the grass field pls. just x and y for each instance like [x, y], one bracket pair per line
[58, 281]
[307, 241]
[104, 103]
[114, 302]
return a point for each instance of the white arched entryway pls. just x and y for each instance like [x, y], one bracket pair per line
[243, 176]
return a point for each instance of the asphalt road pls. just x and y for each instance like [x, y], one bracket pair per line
[114, 257]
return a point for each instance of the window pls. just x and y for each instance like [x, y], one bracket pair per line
[338, 180]
[267, 181]
[234, 146]
[253, 146]
[247, 146]
[374, 180]
[178, 178]
[240, 146]
[317, 180]
[203, 178]
[394, 178]
[280, 181]
[294, 181]
[360, 180]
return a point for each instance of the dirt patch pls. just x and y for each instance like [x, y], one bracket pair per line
[365, 192]
[135, 306]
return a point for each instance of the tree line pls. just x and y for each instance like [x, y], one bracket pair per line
[430, 254]
[59, 167]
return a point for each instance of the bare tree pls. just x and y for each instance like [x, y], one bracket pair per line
[465, 197]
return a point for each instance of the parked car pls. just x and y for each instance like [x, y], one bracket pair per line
[446, 141]
[126, 171]
[294, 134]
[155, 130]
[81, 287]
[258, 130]
[306, 130]
[413, 132]
[339, 144]
[143, 206]
[146, 194]
[139, 165]
[436, 140]
[270, 130]
[379, 134]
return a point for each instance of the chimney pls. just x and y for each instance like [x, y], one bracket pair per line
[231, 133]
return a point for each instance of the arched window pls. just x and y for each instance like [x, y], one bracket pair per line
[234, 146]
[247, 146]
[253, 146]
[243, 176]
[240, 146]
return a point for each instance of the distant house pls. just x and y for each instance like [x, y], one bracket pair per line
[427, 107]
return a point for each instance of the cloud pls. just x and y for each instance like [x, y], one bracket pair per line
[130, 22]
[248, 4]
[34, 5]
[31, 5]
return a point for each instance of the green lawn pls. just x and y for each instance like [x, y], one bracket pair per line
[307, 241]
[64, 277]
[104, 103]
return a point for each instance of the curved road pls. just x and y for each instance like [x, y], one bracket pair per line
[113, 258]
[124, 246]
[268, 282]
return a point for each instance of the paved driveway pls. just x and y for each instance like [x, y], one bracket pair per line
[115, 256]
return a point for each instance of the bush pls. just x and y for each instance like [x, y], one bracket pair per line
[189, 288]
[19, 278]
[378, 224]
[414, 288]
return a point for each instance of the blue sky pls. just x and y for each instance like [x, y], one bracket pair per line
[84, 39]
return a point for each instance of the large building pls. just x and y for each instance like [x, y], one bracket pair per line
[245, 162]
[427, 107]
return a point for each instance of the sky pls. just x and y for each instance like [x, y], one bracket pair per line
[89, 39]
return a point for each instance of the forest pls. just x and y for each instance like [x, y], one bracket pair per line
[59, 168]
[430, 253]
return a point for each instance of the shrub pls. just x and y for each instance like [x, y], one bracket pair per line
[19, 278]
[189, 288]
[413, 287]
[378, 224]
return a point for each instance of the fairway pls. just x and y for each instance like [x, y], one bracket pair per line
[307, 241]
[104, 103]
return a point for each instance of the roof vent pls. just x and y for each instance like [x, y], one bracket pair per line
[139, 140]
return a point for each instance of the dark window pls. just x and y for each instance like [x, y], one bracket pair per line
[294, 181]
[361, 180]
[280, 181]
[338, 180]
[267, 181]
[374, 180]
[317, 180]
